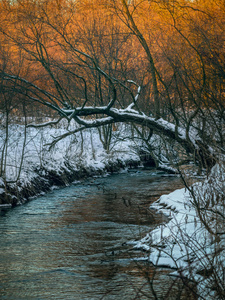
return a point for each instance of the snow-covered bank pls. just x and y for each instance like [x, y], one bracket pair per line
[34, 169]
[43, 179]
[193, 241]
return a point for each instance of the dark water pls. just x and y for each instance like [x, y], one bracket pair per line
[71, 243]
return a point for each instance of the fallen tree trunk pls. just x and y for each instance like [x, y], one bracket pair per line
[96, 116]
[189, 140]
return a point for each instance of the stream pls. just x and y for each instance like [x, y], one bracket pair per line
[71, 242]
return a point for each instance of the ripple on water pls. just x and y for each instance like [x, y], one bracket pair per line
[71, 243]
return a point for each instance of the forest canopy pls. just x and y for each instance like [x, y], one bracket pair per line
[164, 58]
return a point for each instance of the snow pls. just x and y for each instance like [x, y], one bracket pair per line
[97, 121]
[184, 243]
[71, 111]
[83, 149]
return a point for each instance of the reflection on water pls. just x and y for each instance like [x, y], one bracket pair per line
[71, 243]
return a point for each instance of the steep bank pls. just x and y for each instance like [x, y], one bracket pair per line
[44, 179]
[29, 166]
[33, 163]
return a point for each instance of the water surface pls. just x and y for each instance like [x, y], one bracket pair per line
[71, 243]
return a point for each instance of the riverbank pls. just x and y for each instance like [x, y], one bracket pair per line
[32, 167]
[34, 160]
[192, 243]
[43, 179]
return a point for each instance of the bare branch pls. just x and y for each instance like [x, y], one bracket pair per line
[50, 123]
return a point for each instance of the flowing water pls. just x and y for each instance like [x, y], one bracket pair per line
[71, 243]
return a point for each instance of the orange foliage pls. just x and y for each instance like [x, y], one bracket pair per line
[40, 39]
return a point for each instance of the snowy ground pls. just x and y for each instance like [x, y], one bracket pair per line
[90, 152]
[26, 160]
[185, 243]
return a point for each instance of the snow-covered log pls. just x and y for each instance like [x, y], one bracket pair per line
[96, 116]
[189, 140]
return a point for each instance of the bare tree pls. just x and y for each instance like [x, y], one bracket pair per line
[87, 82]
